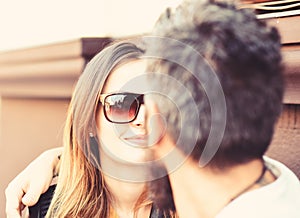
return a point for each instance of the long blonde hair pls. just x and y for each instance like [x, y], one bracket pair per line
[81, 190]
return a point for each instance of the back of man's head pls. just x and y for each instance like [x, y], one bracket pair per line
[245, 55]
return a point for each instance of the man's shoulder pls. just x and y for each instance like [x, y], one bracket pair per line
[281, 171]
[280, 198]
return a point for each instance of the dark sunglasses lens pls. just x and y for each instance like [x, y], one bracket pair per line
[121, 108]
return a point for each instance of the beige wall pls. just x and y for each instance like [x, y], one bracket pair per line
[35, 89]
[28, 127]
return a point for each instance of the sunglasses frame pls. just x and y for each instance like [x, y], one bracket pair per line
[138, 97]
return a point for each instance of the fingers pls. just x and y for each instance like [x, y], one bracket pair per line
[36, 187]
[32, 196]
[19, 195]
[26, 188]
[25, 213]
[13, 194]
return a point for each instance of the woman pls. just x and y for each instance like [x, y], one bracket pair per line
[239, 178]
[104, 107]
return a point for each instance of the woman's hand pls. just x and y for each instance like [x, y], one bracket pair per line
[26, 188]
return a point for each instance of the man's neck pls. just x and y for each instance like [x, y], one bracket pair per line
[216, 187]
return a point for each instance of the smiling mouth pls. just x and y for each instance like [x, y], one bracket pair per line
[137, 141]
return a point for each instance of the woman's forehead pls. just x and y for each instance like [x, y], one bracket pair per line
[126, 77]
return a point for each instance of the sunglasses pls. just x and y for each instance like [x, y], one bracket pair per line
[121, 107]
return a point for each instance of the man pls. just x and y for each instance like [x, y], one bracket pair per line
[244, 54]
[231, 178]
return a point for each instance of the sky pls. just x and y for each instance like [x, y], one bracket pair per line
[29, 23]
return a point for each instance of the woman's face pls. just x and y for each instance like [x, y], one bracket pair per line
[124, 143]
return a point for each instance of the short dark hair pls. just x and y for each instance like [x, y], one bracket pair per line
[245, 55]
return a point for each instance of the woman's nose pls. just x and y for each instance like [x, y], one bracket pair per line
[141, 117]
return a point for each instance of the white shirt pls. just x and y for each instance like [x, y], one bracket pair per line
[279, 199]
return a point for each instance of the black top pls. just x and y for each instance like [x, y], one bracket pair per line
[40, 209]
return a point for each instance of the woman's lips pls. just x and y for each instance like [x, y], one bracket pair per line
[137, 141]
